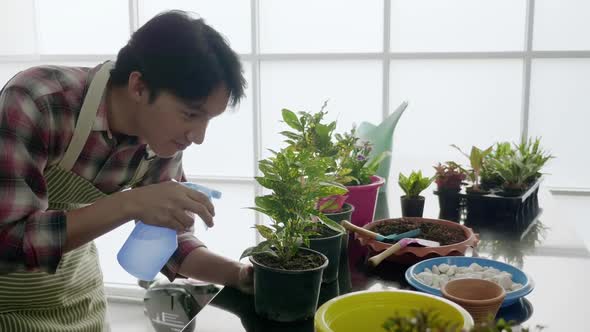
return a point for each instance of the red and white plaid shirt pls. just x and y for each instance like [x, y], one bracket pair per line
[38, 111]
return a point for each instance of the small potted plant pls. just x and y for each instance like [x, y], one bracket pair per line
[413, 185]
[520, 169]
[489, 178]
[309, 134]
[449, 178]
[476, 158]
[357, 169]
[287, 276]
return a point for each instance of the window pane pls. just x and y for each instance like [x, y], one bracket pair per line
[231, 234]
[309, 26]
[559, 114]
[17, 15]
[353, 88]
[228, 146]
[229, 17]
[562, 25]
[462, 102]
[457, 25]
[9, 69]
[83, 27]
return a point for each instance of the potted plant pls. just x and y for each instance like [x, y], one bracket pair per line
[356, 169]
[413, 185]
[312, 136]
[287, 276]
[520, 169]
[476, 158]
[489, 178]
[449, 178]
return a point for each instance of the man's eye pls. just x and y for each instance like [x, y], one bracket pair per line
[190, 115]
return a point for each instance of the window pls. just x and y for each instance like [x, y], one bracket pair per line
[473, 72]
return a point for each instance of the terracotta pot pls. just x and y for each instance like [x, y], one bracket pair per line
[411, 255]
[481, 298]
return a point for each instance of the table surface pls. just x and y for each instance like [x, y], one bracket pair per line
[551, 251]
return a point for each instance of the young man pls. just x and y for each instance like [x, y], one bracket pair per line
[71, 139]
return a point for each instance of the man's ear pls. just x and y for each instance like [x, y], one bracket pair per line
[136, 87]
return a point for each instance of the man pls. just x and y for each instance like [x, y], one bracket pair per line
[71, 139]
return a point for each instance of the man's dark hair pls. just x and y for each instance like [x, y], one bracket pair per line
[180, 55]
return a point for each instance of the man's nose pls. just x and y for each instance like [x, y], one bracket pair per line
[197, 135]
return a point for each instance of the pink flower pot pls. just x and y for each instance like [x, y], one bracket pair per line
[364, 200]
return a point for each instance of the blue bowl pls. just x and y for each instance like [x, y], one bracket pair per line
[511, 297]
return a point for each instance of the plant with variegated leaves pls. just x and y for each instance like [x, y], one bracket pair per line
[296, 180]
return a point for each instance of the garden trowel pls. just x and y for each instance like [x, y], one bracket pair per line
[378, 237]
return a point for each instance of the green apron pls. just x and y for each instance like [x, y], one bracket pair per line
[72, 299]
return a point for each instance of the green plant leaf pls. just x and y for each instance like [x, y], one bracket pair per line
[265, 231]
[262, 247]
[291, 119]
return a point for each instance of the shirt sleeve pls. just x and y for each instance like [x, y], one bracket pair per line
[31, 238]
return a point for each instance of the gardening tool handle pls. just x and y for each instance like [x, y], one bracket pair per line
[377, 259]
[359, 230]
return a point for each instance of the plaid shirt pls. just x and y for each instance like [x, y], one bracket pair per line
[38, 111]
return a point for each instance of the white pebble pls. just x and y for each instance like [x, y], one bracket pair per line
[435, 269]
[475, 267]
[443, 268]
[452, 270]
[515, 286]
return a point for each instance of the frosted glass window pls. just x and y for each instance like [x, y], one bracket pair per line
[462, 102]
[83, 27]
[559, 113]
[228, 147]
[310, 26]
[17, 16]
[231, 234]
[353, 88]
[457, 25]
[230, 17]
[561, 25]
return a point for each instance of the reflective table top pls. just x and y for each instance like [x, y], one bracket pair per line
[551, 251]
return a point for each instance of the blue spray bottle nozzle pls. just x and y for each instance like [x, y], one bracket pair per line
[212, 193]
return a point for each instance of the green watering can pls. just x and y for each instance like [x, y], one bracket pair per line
[381, 137]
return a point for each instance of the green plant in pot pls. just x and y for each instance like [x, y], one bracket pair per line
[521, 169]
[310, 134]
[356, 169]
[287, 276]
[488, 176]
[449, 178]
[476, 159]
[413, 185]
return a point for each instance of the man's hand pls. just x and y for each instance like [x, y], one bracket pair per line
[246, 279]
[166, 204]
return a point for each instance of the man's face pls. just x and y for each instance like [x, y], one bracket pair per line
[169, 124]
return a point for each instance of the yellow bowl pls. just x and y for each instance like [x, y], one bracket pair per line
[367, 310]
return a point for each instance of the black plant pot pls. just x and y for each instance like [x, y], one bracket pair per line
[330, 247]
[285, 295]
[449, 203]
[344, 282]
[412, 206]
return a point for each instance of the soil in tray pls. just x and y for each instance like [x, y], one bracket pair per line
[303, 260]
[440, 233]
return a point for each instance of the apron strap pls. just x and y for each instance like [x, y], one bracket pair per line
[87, 116]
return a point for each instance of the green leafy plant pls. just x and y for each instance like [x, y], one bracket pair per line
[356, 165]
[488, 175]
[476, 158]
[414, 184]
[431, 321]
[310, 133]
[521, 168]
[449, 176]
[296, 180]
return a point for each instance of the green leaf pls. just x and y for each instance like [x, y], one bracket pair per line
[332, 224]
[265, 231]
[262, 247]
[291, 119]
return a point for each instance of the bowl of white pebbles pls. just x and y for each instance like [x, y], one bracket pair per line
[430, 275]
